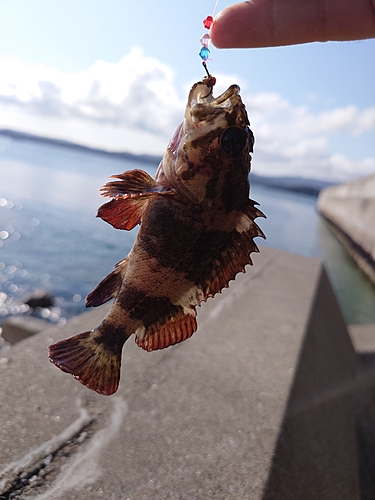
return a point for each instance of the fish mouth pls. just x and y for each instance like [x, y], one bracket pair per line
[205, 113]
[201, 93]
[202, 106]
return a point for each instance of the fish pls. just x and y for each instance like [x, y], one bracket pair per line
[197, 230]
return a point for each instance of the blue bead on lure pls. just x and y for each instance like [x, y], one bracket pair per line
[204, 53]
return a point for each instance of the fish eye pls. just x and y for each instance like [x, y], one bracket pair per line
[234, 140]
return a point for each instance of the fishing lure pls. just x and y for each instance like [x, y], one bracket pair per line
[205, 39]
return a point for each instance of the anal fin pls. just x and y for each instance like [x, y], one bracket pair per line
[180, 327]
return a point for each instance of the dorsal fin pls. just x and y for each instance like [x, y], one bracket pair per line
[234, 256]
[109, 287]
[131, 195]
[178, 328]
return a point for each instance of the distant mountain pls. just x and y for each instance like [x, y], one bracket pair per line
[299, 184]
[24, 136]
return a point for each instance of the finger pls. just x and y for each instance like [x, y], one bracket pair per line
[269, 23]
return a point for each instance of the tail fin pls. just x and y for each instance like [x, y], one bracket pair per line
[93, 358]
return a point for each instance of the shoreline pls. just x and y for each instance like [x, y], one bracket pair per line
[289, 183]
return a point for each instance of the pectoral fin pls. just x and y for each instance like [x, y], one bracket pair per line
[132, 182]
[131, 196]
[123, 213]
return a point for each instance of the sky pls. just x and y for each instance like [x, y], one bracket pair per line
[116, 75]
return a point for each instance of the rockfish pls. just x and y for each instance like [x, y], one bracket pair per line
[196, 234]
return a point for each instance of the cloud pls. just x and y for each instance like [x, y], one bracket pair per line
[134, 105]
[294, 140]
[137, 92]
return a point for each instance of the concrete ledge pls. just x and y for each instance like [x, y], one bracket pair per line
[261, 403]
[16, 328]
[350, 211]
[363, 337]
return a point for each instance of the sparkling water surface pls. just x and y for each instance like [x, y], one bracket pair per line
[50, 238]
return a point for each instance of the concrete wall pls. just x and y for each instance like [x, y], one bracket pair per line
[350, 209]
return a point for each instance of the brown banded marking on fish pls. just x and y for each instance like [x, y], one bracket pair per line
[197, 230]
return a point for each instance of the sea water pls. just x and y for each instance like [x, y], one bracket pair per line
[51, 240]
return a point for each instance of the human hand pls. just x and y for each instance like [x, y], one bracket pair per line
[269, 23]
